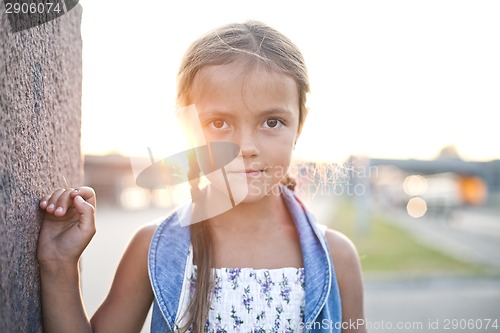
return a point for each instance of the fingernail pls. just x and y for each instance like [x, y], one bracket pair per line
[43, 203]
[79, 199]
[76, 191]
[59, 210]
[51, 206]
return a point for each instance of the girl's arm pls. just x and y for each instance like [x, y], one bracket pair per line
[62, 307]
[67, 228]
[348, 271]
[128, 302]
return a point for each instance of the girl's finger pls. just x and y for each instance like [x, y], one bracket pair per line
[87, 193]
[52, 200]
[86, 211]
[63, 202]
[44, 201]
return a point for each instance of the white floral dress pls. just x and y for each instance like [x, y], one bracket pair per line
[251, 300]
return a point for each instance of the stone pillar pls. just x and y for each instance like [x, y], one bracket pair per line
[40, 118]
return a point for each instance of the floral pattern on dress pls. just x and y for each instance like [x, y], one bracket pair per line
[217, 288]
[285, 289]
[266, 285]
[233, 274]
[247, 300]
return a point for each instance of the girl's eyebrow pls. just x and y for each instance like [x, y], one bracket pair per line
[215, 113]
[278, 110]
[271, 111]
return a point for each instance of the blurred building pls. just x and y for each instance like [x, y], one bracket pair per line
[112, 177]
[436, 186]
[109, 175]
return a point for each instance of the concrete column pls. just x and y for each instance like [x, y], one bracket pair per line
[40, 118]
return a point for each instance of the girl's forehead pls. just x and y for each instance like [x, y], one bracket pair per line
[253, 85]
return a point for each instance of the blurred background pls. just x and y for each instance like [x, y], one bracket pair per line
[398, 151]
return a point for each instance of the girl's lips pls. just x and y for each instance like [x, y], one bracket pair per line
[246, 173]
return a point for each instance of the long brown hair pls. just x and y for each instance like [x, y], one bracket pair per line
[254, 43]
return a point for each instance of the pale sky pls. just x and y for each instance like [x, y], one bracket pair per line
[389, 79]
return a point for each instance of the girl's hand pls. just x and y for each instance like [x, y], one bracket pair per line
[67, 226]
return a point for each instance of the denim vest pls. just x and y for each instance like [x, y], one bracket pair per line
[168, 254]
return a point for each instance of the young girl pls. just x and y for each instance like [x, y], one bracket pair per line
[259, 265]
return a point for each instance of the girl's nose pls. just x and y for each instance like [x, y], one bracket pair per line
[248, 145]
[249, 150]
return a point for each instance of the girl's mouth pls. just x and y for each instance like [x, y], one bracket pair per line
[247, 173]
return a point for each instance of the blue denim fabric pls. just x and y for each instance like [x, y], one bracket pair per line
[169, 251]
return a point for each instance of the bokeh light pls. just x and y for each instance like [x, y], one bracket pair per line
[415, 185]
[416, 207]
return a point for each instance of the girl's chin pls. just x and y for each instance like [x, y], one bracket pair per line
[256, 192]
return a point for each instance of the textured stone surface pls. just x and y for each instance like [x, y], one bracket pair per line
[40, 116]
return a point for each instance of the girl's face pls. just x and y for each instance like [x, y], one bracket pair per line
[256, 109]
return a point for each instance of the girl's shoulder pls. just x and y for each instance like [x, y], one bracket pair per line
[348, 273]
[347, 270]
[145, 233]
[342, 249]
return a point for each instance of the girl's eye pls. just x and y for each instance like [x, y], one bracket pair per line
[273, 123]
[219, 124]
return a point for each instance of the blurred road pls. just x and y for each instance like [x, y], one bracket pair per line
[472, 234]
[437, 304]
[389, 301]
[433, 305]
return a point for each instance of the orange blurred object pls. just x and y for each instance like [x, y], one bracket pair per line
[473, 190]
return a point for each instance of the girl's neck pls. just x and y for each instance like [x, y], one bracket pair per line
[258, 234]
